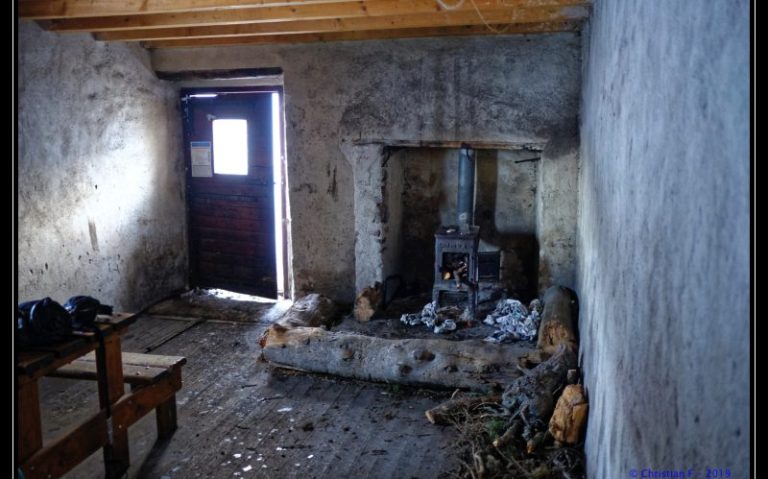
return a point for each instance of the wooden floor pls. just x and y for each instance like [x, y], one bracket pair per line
[238, 417]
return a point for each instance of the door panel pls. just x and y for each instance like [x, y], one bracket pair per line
[231, 217]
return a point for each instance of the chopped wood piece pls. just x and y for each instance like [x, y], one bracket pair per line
[570, 415]
[532, 395]
[454, 408]
[510, 434]
[535, 442]
[558, 319]
[313, 310]
[367, 302]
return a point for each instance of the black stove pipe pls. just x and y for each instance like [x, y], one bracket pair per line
[465, 204]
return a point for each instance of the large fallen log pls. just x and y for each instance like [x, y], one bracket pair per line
[471, 364]
[558, 320]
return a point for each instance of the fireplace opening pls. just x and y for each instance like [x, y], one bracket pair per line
[504, 207]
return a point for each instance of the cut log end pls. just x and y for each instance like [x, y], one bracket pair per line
[558, 320]
[367, 303]
[509, 435]
[570, 416]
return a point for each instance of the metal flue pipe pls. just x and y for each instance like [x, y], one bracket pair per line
[465, 204]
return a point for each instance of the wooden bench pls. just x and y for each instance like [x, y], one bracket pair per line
[154, 381]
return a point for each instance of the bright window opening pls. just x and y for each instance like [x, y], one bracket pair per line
[230, 147]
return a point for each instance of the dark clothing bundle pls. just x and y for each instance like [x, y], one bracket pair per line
[45, 321]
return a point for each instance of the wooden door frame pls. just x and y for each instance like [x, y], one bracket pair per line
[287, 257]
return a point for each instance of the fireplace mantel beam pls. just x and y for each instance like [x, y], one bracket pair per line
[477, 145]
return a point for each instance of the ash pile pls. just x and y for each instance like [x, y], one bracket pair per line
[511, 318]
[513, 321]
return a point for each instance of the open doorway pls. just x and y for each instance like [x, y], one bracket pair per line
[236, 200]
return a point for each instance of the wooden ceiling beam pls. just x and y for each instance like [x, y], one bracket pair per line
[52, 9]
[438, 19]
[521, 28]
[369, 8]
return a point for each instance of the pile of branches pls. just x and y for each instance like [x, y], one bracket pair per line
[511, 435]
[485, 453]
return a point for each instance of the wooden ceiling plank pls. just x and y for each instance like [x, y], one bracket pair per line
[52, 9]
[545, 27]
[438, 19]
[369, 8]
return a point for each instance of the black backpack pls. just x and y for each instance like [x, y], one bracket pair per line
[42, 322]
[83, 311]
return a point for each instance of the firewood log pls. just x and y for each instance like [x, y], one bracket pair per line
[570, 416]
[472, 364]
[532, 395]
[313, 310]
[558, 319]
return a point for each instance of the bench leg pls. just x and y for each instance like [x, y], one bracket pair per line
[117, 457]
[29, 432]
[166, 418]
[110, 370]
[165, 412]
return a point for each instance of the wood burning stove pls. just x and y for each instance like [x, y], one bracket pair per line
[456, 268]
[456, 259]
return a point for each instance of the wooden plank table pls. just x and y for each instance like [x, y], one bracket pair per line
[66, 451]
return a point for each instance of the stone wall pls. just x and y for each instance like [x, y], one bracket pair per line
[100, 173]
[664, 237]
[507, 88]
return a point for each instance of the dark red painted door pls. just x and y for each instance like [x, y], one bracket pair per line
[230, 209]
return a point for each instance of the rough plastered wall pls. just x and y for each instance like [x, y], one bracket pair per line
[507, 88]
[100, 178]
[505, 210]
[556, 212]
[664, 237]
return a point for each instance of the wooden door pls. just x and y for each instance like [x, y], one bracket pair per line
[231, 215]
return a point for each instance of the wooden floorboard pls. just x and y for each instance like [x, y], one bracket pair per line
[238, 417]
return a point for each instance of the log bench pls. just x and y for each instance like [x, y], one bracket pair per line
[154, 381]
